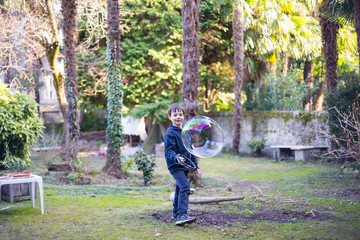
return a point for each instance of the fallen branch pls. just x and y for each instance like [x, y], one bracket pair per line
[4, 208]
[258, 189]
[199, 200]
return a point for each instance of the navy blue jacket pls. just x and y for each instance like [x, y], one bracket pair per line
[173, 147]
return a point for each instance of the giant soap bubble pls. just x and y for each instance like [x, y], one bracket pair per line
[202, 137]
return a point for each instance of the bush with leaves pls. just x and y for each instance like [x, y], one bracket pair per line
[256, 146]
[146, 164]
[278, 92]
[342, 100]
[20, 127]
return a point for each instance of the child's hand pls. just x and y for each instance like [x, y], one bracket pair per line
[197, 171]
[181, 160]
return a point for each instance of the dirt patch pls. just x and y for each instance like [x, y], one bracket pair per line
[218, 218]
[348, 194]
[288, 216]
[60, 167]
[351, 193]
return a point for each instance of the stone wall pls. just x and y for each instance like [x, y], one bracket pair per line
[277, 128]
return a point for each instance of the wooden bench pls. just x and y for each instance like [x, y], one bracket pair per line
[297, 152]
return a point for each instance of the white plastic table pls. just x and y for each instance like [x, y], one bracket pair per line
[32, 180]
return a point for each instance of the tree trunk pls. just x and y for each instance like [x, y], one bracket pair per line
[190, 20]
[114, 131]
[357, 24]
[309, 70]
[285, 65]
[329, 31]
[238, 31]
[6, 74]
[52, 50]
[319, 97]
[191, 54]
[37, 92]
[72, 112]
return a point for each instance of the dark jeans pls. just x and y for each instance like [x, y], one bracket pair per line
[182, 191]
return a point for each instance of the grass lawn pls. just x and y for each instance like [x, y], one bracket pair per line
[283, 200]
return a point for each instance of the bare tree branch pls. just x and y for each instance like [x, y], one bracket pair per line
[347, 145]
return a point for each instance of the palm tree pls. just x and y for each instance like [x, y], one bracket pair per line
[190, 20]
[309, 66]
[329, 32]
[345, 11]
[191, 54]
[72, 114]
[238, 38]
[357, 24]
[238, 35]
[114, 132]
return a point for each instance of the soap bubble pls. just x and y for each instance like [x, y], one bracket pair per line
[202, 137]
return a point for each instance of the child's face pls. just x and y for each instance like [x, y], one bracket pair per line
[177, 117]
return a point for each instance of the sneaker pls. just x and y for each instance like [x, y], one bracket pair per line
[184, 219]
[173, 217]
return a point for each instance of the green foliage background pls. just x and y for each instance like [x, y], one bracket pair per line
[20, 126]
[152, 53]
[151, 61]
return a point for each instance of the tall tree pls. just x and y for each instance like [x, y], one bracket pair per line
[344, 12]
[191, 54]
[36, 28]
[72, 126]
[238, 35]
[114, 132]
[191, 24]
[52, 47]
[309, 79]
[357, 24]
[329, 32]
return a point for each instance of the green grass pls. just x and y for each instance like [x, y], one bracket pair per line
[122, 209]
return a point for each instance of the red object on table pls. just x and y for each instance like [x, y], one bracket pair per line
[19, 174]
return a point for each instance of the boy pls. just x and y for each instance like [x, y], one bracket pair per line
[173, 147]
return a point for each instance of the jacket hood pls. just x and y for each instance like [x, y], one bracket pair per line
[172, 127]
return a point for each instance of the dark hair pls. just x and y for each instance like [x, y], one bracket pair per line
[174, 108]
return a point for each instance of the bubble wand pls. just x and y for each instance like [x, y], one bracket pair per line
[186, 162]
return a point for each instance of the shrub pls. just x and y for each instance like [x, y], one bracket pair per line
[342, 100]
[127, 164]
[277, 92]
[256, 146]
[146, 164]
[20, 126]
